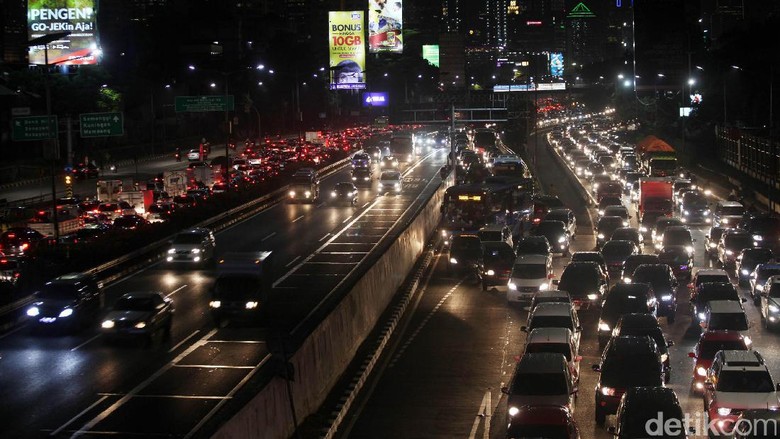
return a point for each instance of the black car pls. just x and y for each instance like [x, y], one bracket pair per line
[140, 314]
[615, 253]
[633, 261]
[628, 234]
[624, 299]
[765, 230]
[749, 259]
[362, 176]
[556, 234]
[640, 406]
[584, 281]
[679, 259]
[758, 424]
[588, 256]
[605, 227]
[344, 192]
[708, 291]
[640, 324]
[129, 222]
[85, 170]
[19, 241]
[71, 301]
[628, 361]
[566, 216]
[496, 263]
[533, 245]
[465, 253]
[661, 278]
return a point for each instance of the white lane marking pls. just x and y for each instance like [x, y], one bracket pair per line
[488, 415]
[211, 366]
[347, 219]
[183, 341]
[86, 342]
[297, 219]
[293, 261]
[63, 426]
[177, 290]
[111, 409]
[170, 396]
[367, 203]
[321, 204]
[11, 332]
[324, 237]
[483, 407]
[269, 236]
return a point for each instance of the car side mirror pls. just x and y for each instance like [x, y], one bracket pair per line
[524, 328]
[505, 390]
[669, 343]
[596, 367]
[691, 355]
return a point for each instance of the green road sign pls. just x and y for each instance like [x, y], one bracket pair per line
[204, 103]
[34, 128]
[101, 124]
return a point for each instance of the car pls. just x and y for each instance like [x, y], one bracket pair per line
[770, 303]
[749, 259]
[556, 341]
[711, 240]
[584, 281]
[192, 246]
[640, 324]
[556, 234]
[607, 202]
[624, 299]
[10, 270]
[605, 226]
[555, 314]
[362, 176]
[139, 314]
[496, 233]
[390, 181]
[495, 264]
[709, 291]
[640, 407]
[757, 424]
[701, 275]
[71, 301]
[727, 213]
[731, 244]
[679, 259]
[627, 361]
[737, 381]
[724, 315]
[183, 201]
[85, 171]
[591, 256]
[542, 205]
[758, 279]
[628, 234]
[549, 421]
[530, 274]
[388, 162]
[676, 236]
[709, 343]
[594, 169]
[20, 241]
[193, 155]
[661, 278]
[694, 208]
[113, 209]
[621, 211]
[160, 212]
[660, 226]
[615, 253]
[547, 296]
[634, 261]
[540, 378]
[129, 222]
[764, 229]
[579, 166]
[465, 253]
[533, 245]
[567, 217]
[344, 192]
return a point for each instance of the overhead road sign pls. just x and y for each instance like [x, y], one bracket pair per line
[200, 104]
[101, 124]
[34, 128]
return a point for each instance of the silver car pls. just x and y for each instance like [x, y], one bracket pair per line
[192, 246]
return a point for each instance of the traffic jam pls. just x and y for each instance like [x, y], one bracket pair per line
[678, 297]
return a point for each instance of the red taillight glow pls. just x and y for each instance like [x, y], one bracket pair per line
[24, 246]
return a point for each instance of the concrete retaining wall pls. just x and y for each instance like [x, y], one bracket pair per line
[326, 353]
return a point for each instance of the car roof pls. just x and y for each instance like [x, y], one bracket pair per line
[741, 358]
[552, 309]
[709, 271]
[721, 335]
[652, 396]
[726, 203]
[541, 362]
[632, 288]
[587, 254]
[725, 306]
[631, 342]
[532, 259]
[549, 335]
[638, 320]
[677, 229]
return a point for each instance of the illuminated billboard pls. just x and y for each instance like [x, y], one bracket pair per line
[430, 53]
[385, 26]
[79, 17]
[375, 99]
[556, 64]
[347, 50]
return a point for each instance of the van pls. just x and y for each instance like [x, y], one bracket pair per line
[727, 213]
[540, 379]
[496, 233]
[530, 274]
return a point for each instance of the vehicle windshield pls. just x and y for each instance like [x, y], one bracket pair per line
[774, 291]
[552, 322]
[711, 278]
[654, 276]
[557, 216]
[554, 348]
[674, 256]
[577, 279]
[619, 304]
[529, 271]
[732, 211]
[532, 248]
[735, 321]
[614, 250]
[708, 349]
[631, 264]
[616, 211]
[58, 292]
[108, 207]
[738, 241]
[134, 304]
[188, 238]
[237, 287]
[695, 201]
[744, 381]
[756, 256]
[390, 176]
[765, 273]
[540, 384]
[634, 369]
[610, 223]
[538, 431]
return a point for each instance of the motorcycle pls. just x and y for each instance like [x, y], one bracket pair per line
[177, 155]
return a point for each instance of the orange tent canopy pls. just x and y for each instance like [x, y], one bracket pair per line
[652, 143]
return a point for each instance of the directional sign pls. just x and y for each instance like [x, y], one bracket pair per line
[101, 124]
[204, 103]
[34, 128]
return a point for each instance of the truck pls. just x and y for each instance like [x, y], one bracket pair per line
[108, 190]
[314, 137]
[662, 166]
[198, 175]
[242, 286]
[402, 147]
[655, 201]
[140, 200]
[175, 182]
[305, 186]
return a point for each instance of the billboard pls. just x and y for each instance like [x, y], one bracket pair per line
[430, 53]
[347, 50]
[556, 64]
[375, 99]
[79, 17]
[385, 26]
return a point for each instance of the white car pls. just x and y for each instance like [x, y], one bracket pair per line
[390, 181]
[555, 340]
[193, 155]
[530, 274]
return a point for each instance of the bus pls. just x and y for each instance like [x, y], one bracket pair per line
[402, 147]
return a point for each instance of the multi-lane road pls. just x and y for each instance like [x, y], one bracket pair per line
[79, 385]
[460, 346]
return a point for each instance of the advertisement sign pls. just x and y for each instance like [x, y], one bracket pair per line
[556, 64]
[544, 86]
[430, 53]
[79, 17]
[385, 26]
[347, 50]
[375, 99]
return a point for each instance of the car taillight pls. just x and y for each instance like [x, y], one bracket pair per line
[24, 246]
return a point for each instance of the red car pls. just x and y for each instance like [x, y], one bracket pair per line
[710, 343]
[554, 422]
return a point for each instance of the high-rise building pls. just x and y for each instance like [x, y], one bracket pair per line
[496, 23]
[536, 25]
[13, 37]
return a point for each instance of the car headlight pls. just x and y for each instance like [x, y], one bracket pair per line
[724, 411]
[664, 357]
[490, 272]
[444, 233]
[593, 296]
[608, 391]
[596, 186]
[215, 304]
[729, 252]
[251, 305]
[744, 272]
[196, 250]
[453, 261]
[67, 312]
[365, 178]
[603, 327]
[544, 287]
[512, 286]
[725, 221]
[643, 229]
[707, 212]
[601, 212]
[562, 239]
[701, 371]
[689, 249]
[625, 224]
[33, 311]
[702, 316]
[773, 308]
[333, 194]
[107, 324]
[759, 287]
[713, 245]
[686, 213]
[757, 238]
[513, 411]
[666, 297]
[626, 280]
[140, 325]
[354, 178]
[292, 193]
[600, 236]
[171, 251]
[397, 185]
[748, 341]
[307, 194]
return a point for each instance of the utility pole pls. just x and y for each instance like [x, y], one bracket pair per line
[228, 131]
